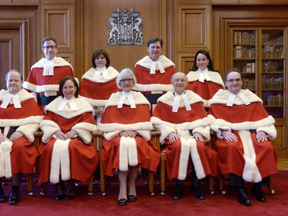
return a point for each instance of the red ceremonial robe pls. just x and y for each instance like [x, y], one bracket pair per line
[156, 83]
[180, 122]
[244, 157]
[118, 152]
[78, 159]
[21, 155]
[206, 89]
[47, 85]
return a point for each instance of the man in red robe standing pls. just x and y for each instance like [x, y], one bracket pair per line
[181, 117]
[45, 75]
[154, 72]
[244, 130]
[19, 119]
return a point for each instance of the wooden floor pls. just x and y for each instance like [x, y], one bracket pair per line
[282, 164]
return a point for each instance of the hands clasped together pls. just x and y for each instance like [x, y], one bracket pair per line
[60, 135]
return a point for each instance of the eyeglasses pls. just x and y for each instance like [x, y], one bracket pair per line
[232, 80]
[128, 80]
[47, 47]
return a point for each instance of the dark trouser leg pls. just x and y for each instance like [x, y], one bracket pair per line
[238, 183]
[16, 179]
[194, 187]
[15, 196]
[256, 189]
[2, 195]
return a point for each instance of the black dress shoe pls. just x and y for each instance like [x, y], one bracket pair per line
[122, 201]
[243, 198]
[177, 194]
[70, 192]
[14, 197]
[132, 198]
[2, 195]
[197, 193]
[257, 193]
[59, 191]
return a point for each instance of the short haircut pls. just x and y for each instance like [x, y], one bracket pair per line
[48, 38]
[62, 82]
[232, 70]
[209, 66]
[153, 40]
[173, 76]
[13, 70]
[99, 52]
[124, 73]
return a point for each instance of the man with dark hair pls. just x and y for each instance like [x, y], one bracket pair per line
[19, 119]
[154, 72]
[244, 130]
[44, 77]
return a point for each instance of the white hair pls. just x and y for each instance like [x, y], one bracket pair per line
[124, 73]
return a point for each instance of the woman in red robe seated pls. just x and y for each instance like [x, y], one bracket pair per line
[127, 144]
[66, 151]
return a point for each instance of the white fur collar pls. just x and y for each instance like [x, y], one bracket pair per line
[147, 61]
[222, 97]
[112, 72]
[67, 112]
[57, 62]
[214, 76]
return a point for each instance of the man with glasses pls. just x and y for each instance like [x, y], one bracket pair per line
[244, 130]
[45, 75]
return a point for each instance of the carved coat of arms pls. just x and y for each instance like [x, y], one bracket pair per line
[125, 28]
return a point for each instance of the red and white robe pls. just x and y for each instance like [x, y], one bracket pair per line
[97, 92]
[203, 87]
[20, 155]
[120, 152]
[72, 158]
[47, 85]
[157, 83]
[244, 157]
[203, 157]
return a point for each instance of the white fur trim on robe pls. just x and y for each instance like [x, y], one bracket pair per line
[82, 105]
[60, 160]
[112, 129]
[5, 159]
[199, 125]
[250, 171]
[84, 131]
[49, 128]
[112, 72]
[214, 77]
[127, 153]
[266, 125]
[147, 61]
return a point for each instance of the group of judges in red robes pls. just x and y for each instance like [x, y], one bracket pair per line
[126, 106]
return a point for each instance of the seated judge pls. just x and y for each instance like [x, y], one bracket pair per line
[19, 119]
[182, 120]
[67, 152]
[244, 131]
[127, 132]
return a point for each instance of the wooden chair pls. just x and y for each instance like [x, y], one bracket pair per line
[38, 137]
[157, 134]
[222, 177]
[99, 135]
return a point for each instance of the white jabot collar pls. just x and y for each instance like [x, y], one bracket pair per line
[100, 71]
[71, 103]
[203, 74]
[8, 98]
[177, 102]
[125, 95]
[48, 68]
[153, 67]
[233, 96]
